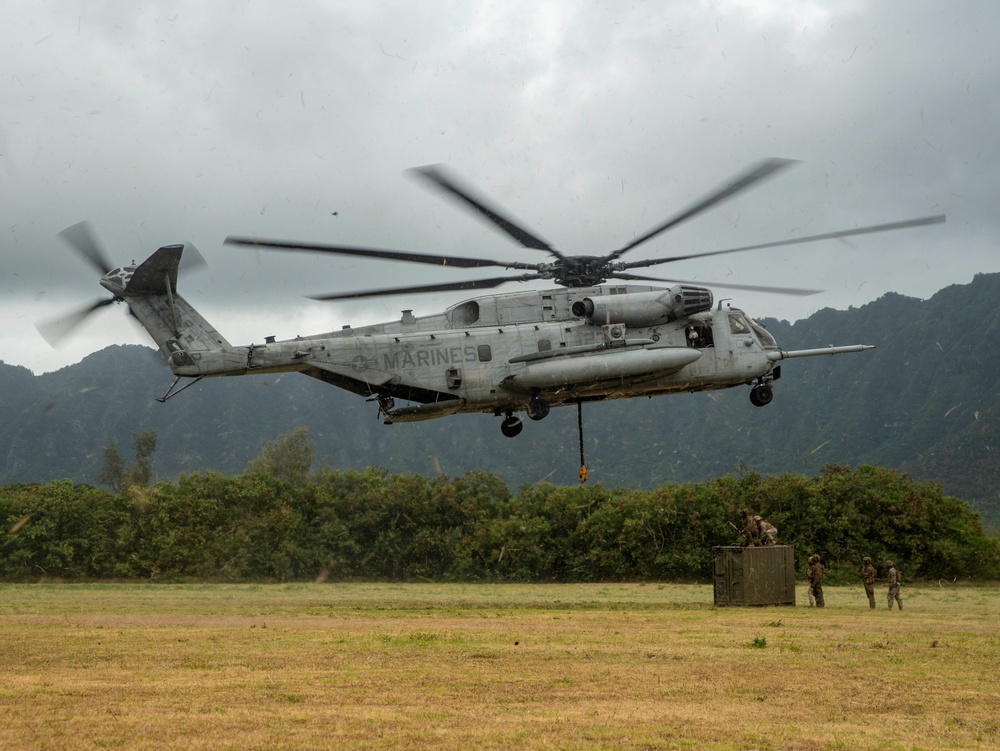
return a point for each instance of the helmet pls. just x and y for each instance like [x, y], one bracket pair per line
[890, 564]
[867, 559]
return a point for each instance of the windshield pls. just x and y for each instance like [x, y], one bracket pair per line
[762, 334]
[740, 323]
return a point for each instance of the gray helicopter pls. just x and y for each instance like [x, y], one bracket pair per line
[591, 338]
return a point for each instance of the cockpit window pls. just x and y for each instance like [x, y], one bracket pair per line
[738, 324]
[763, 335]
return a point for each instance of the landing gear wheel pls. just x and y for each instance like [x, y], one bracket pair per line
[511, 426]
[538, 408]
[761, 396]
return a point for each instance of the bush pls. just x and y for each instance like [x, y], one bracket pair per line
[370, 525]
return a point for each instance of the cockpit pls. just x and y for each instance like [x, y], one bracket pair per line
[742, 324]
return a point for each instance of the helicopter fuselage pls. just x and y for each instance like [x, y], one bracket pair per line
[502, 354]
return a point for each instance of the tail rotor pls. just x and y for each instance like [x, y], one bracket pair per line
[82, 238]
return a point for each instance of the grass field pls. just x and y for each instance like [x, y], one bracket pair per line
[492, 666]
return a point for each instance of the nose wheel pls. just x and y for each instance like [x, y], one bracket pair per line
[761, 395]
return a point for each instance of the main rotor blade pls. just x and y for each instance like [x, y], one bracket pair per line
[741, 182]
[81, 236]
[747, 287]
[418, 289]
[436, 175]
[461, 262]
[57, 329]
[921, 222]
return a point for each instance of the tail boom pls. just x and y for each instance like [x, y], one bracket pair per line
[182, 334]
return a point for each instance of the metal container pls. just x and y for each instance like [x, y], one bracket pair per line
[759, 575]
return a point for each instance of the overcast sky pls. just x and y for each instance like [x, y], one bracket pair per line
[166, 122]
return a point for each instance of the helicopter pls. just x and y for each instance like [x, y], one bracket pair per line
[590, 338]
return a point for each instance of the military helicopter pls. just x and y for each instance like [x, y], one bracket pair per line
[590, 338]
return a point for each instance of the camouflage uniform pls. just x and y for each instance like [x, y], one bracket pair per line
[868, 577]
[750, 531]
[894, 578]
[768, 532]
[815, 572]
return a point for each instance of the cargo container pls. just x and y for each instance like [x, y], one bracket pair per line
[758, 575]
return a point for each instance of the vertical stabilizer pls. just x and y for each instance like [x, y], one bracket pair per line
[150, 290]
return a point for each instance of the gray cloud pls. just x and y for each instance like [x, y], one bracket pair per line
[590, 123]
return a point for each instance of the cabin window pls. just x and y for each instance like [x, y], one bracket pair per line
[544, 345]
[485, 353]
[699, 335]
[465, 314]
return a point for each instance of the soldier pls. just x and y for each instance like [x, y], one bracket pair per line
[768, 532]
[894, 578]
[809, 575]
[750, 530]
[815, 572]
[868, 577]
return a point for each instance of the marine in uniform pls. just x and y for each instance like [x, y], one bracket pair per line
[895, 579]
[868, 577]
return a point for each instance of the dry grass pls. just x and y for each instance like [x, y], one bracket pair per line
[494, 666]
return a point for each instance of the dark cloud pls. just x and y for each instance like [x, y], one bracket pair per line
[589, 123]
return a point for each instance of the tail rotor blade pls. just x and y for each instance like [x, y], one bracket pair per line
[82, 238]
[56, 330]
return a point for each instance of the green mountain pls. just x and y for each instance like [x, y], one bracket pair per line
[925, 402]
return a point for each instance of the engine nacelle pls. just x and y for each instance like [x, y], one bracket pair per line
[644, 308]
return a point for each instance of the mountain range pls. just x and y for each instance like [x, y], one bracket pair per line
[924, 402]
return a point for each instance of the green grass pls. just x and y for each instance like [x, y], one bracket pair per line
[492, 666]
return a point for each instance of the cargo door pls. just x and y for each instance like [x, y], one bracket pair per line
[728, 576]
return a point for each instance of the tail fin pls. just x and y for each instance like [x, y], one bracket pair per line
[151, 293]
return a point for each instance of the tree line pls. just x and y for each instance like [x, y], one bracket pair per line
[277, 521]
